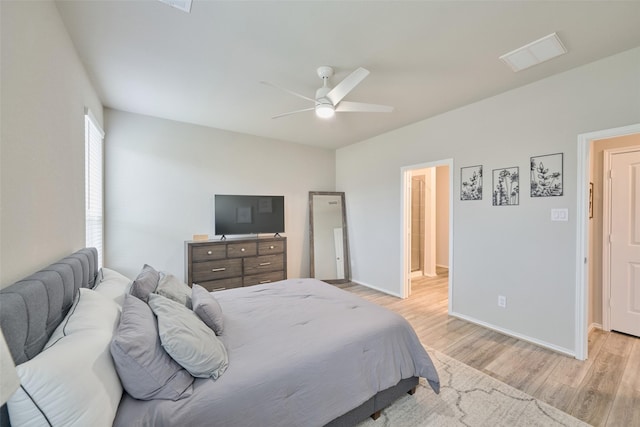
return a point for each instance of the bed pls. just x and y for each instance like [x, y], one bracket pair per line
[300, 352]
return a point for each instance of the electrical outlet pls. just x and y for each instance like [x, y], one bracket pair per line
[502, 301]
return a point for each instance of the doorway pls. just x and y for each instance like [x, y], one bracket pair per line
[417, 225]
[621, 252]
[591, 297]
[423, 222]
[427, 222]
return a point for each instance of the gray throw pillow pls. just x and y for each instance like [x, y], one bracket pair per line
[144, 367]
[145, 283]
[188, 340]
[207, 308]
[173, 288]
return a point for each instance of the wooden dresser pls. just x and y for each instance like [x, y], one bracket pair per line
[224, 264]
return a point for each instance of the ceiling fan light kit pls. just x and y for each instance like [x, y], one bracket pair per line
[328, 100]
[325, 110]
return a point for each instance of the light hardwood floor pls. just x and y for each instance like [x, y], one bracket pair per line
[602, 391]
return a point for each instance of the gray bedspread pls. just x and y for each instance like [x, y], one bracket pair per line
[301, 353]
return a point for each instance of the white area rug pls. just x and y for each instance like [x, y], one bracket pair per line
[469, 398]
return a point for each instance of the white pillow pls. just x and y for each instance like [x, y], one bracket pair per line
[113, 285]
[187, 339]
[91, 312]
[171, 287]
[73, 382]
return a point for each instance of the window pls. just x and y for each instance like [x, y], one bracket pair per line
[93, 138]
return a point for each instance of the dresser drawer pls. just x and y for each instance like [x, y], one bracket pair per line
[264, 263]
[220, 285]
[267, 248]
[213, 270]
[208, 252]
[259, 279]
[240, 250]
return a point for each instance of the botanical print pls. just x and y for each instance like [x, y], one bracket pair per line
[546, 175]
[506, 186]
[471, 183]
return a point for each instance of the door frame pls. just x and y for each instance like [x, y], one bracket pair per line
[405, 222]
[582, 233]
[606, 231]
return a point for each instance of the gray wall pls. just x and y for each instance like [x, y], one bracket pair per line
[515, 251]
[161, 176]
[44, 92]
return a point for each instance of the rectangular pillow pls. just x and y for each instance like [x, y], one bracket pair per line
[145, 283]
[113, 285]
[145, 369]
[207, 308]
[187, 339]
[91, 312]
[173, 288]
[73, 382]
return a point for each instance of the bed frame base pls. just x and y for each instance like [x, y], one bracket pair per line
[374, 406]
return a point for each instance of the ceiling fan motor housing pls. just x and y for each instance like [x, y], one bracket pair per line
[325, 72]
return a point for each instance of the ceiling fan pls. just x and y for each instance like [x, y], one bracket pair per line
[328, 100]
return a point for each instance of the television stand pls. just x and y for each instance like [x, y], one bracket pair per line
[277, 235]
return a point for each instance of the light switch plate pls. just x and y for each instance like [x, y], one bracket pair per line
[560, 214]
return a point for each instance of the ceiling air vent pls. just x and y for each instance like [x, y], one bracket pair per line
[183, 5]
[534, 53]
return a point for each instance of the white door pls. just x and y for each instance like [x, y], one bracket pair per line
[338, 240]
[625, 242]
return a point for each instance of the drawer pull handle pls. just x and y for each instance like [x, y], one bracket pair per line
[209, 252]
[262, 264]
[242, 250]
[272, 247]
[265, 281]
[215, 270]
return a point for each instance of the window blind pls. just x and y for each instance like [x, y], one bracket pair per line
[94, 137]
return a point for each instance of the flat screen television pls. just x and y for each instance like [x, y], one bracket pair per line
[239, 214]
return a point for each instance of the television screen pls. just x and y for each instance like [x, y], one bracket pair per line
[236, 214]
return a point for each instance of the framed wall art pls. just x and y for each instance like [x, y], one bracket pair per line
[506, 186]
[471, 183]
[546, 175]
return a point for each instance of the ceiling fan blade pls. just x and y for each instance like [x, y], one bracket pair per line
[345, 86]
[355, 107]
[288, 91]
[293, 112]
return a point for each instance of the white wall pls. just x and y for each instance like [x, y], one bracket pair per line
[514, 251]
[161, 176]
[44, 92]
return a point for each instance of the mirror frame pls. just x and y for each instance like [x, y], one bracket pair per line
[345, 240]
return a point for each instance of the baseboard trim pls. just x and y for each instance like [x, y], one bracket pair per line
[375, 288]
[594, 326]
[517, 335]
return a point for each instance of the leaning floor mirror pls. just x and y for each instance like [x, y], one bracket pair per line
[329, 248]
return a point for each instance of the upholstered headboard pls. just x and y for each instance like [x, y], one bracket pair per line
[33, 307]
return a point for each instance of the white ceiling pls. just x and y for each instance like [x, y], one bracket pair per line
[425, 57]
